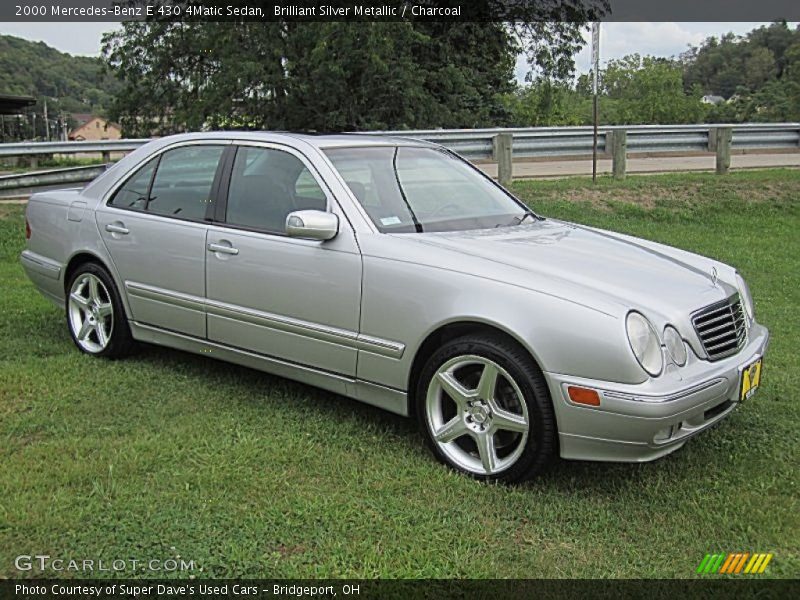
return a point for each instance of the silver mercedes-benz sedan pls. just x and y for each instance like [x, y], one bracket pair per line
[392, 271]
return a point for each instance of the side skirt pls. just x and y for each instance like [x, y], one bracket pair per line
[370, 393]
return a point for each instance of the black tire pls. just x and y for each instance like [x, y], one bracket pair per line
[540, 448]
[119, 342]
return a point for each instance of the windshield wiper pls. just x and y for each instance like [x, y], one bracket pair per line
[517, 220]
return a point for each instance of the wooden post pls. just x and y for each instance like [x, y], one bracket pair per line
[502, 145]
[712, 139]
[619, 152]
[106, 156]
[722, 145]
[34, 162]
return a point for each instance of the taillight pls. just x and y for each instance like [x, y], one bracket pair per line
[27, 229]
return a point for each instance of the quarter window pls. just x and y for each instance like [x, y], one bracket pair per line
[133, 194]
[266, 185]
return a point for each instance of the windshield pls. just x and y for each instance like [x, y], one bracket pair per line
[412, 189]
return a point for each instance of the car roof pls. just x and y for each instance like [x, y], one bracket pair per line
[318, 140]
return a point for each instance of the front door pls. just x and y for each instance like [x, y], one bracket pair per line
[287, 298]
[154, 229]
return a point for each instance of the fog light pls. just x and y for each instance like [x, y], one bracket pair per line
[581, 395]
[663, 435]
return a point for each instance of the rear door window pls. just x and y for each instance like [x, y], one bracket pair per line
[183, 181]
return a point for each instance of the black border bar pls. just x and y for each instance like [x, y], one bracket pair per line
[399, 10]
[740, 587]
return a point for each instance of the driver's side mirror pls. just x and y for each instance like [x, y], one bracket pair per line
[312, 225]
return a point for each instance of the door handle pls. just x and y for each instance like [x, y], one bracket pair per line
[117, 227]
[222, 248]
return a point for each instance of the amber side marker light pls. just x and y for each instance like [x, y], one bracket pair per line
[27, 230]
[581, 395]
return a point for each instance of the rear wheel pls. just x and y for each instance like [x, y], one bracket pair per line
[485, 409]
[95, 315]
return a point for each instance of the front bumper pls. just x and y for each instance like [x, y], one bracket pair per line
[638, 423]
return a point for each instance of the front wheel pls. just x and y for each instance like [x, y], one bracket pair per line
[485, 409]
[95, 315]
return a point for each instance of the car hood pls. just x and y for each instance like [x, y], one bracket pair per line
[560, 255]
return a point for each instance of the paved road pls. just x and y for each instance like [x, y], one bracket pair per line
[568, 168]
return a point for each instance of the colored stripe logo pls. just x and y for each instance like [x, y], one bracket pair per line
[734, 563]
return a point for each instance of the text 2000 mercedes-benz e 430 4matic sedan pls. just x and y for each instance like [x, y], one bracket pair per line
[394, 272]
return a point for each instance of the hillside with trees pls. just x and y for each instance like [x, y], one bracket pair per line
[69, 84]
[756, 77]
[758, 74]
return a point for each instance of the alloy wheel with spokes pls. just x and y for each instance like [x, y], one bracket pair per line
[477, 414]
[95, 314]
[91, 313]
[486, 410]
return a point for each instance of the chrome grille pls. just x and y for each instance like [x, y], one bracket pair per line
[721, 327]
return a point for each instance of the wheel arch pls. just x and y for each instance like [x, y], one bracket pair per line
[449, 331]
[83, 257]
[79, 259]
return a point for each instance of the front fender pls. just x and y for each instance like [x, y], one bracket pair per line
[407, 302]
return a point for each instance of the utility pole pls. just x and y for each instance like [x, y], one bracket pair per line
[595, 85]
[46, 122]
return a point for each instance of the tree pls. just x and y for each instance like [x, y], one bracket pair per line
[328, 75]
[548, 103]
[633, 90]
[759, 67]
[727, 65]
[647, 90]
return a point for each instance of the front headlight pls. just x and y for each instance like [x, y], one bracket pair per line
[747, 299]
[645, 344]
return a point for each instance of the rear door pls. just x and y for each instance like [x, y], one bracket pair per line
[155, 230]
[287, 298]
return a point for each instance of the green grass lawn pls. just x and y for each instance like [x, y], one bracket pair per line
[249, 475]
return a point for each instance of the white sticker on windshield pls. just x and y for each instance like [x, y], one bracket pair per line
[390, 221]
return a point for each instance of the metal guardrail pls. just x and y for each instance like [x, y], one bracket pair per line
[50, 177]
[40, 148]
[475, 144]
[527, 142]
[577, 141]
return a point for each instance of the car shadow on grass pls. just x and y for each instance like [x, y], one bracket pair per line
[327, 405]
[564, 476]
